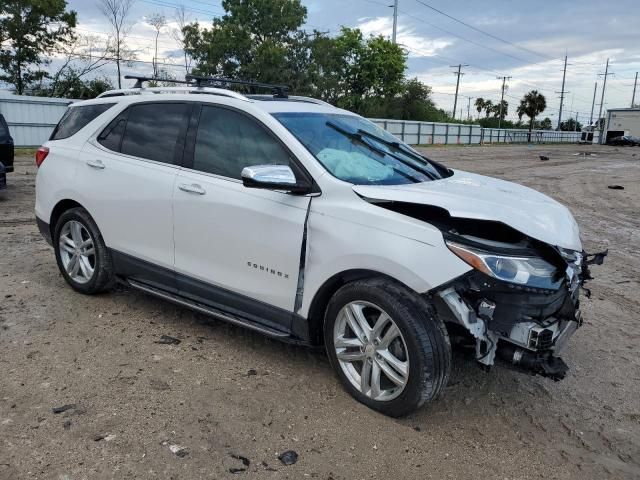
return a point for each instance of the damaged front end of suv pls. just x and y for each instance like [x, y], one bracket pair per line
[520, 303]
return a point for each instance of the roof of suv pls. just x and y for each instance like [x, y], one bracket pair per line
[267, 103]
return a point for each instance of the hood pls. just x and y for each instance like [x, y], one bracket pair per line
[468, 195]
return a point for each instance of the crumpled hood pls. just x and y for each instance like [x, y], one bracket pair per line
[468, 195]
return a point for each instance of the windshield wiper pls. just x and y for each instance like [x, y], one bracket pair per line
[399, 146]
[359, 138]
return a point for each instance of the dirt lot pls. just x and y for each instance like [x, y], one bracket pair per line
[223, 392]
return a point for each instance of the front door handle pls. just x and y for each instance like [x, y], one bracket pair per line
[95, 164]
[192, 188]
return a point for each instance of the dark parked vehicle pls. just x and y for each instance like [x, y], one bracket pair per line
[6, 152]
[625, 140]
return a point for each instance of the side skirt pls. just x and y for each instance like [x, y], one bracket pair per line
[201, 308]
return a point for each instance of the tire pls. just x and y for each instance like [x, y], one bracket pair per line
[422, 348]
[102, 276]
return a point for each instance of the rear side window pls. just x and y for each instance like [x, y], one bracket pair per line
[111, 137]
[153, 129]
[75, 118]
[228, 141]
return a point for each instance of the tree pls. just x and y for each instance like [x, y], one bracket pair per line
[116, 12]
[488, 108]
[479, 103]
[182, 20]
[158, 22]
[496, 111]
[84, 55]
[545, 124]
[531, 105]
[570, 125]
[29, 30]
[253, 40]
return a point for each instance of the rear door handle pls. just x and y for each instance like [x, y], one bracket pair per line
[192, 188]
[95, 164]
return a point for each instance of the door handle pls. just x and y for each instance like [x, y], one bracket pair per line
[95, 164]
[193, 188]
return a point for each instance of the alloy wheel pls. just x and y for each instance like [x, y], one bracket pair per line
[371, 351]
[77, 251]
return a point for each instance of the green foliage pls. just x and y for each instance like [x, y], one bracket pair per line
[544, 124]
[531, 105]
[262, 40]
[71, 85]
[569, 125]
[30, 29]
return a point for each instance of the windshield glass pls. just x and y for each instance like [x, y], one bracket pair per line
[357, 151]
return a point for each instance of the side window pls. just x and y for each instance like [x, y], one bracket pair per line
[4, 130]
[228, 141]
[153, 129]
[75, 118]
[111, 136]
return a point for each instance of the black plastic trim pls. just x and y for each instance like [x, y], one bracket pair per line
[235, 304]
[45, 230]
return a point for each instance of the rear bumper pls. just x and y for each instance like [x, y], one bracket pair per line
[45, 231]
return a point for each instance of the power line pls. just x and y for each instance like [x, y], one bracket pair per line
[484, 32]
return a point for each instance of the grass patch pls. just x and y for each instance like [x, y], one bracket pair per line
[25, 151]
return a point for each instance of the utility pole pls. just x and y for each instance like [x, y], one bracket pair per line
[633, 97]
[593, 103]
[469, 108]
[577, 114]
[504, 81]
[458, 74]
[562, 92]
[604, 86]
[395, 22]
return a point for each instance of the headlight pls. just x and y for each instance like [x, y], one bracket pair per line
[530, 271]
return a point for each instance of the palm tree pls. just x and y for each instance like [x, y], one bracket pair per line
[531, 105]
[479, 105]
[488, 108]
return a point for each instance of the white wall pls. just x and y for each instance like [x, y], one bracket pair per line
[31, 119]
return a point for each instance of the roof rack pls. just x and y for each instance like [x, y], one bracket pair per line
[141, 79]
[211, 85]
[279, 91]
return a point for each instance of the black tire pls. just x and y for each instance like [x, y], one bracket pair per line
[103, 277]
[426, 338]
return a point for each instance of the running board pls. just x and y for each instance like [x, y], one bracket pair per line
[199, 307]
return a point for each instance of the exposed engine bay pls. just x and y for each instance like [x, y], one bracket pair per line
[521, 301]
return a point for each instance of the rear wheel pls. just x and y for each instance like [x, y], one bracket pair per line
[81, 254]
[388, 347]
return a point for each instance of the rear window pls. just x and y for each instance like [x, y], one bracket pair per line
[75, 118]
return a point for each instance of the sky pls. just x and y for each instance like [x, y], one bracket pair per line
[526, 41]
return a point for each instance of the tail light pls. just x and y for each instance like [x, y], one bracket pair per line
[41, 154]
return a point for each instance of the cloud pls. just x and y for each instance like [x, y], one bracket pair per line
[417, 45]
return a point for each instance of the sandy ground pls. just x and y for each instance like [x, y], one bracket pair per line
[223, 392]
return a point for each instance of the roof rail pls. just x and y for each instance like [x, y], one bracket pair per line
[279, 91]
[189, 89]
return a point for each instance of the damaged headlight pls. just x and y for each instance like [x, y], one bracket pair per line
[522, 270]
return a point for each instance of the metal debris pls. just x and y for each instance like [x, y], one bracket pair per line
[63, 408]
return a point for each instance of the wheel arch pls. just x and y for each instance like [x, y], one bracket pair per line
[61, 207]
[323, 295]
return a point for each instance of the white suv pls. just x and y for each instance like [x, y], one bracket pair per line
[312, 225]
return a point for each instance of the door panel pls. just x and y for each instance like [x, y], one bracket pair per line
[244, 240]
[131, 201]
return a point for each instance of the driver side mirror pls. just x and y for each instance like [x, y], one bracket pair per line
[273, 177]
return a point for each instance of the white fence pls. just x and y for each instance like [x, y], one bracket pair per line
[430, 133]
[31, 119]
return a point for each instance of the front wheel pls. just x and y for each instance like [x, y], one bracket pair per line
[387, 345]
